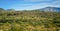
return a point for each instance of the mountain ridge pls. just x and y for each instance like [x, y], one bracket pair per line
[52, 9]
[46, 9]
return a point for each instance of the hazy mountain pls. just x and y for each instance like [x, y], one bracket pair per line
[1, 9]
[46, 9]
[52, 9]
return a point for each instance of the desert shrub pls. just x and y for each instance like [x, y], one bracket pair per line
[56, 22]
[3, 21]
[46, 26]
[35, 23]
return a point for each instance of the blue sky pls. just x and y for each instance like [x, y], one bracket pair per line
[28, 4]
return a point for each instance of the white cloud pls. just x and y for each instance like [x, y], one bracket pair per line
[36, 0]
[30, 6]
[55, 3]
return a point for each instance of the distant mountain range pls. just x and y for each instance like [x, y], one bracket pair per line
[51, 9]
[46, 9]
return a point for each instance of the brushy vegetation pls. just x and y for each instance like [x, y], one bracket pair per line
[29, 21]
